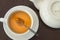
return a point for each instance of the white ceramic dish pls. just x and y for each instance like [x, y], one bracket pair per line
[28, 34]
[49, 12]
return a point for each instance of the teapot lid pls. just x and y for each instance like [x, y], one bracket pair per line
[50, 13]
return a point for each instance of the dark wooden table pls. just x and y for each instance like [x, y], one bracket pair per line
[44, 32]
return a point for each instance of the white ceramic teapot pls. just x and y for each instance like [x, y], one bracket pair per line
[49, 11]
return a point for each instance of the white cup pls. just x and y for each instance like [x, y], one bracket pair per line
[28, 34]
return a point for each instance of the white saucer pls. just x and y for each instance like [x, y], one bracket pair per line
[50, 13]
[28, 34]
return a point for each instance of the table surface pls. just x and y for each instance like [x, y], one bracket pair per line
[44, 32]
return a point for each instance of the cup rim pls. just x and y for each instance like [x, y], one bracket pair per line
[13, 10]
[23, 11]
